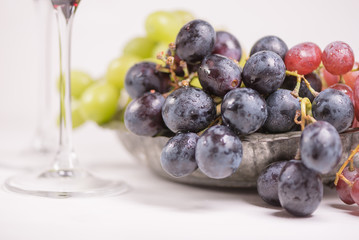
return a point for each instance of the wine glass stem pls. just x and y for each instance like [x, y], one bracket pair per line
[65, 158]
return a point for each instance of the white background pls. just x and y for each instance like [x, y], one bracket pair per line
[154, 208]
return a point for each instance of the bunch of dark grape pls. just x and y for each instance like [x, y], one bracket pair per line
[206, 102]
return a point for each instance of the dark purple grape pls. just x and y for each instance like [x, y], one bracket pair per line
[320, 147]
[264, 71]
[219, 74]
[270, 43]
[267, 183]
[195, 40]
[219, 152]
[313, 79]
[335, 107]
[143, 77]
[143, 115]
[282, 107]
[244, 110]
[188, 109]
[178, 155]
[300, 189]
[227, 45]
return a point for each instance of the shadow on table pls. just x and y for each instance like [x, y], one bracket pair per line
[350, 209]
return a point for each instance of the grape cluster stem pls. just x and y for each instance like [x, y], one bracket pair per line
[305, 113]
[295, 92]
[349, 161]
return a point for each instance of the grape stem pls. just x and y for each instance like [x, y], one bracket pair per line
[341, 176]
[351, 167]
[305, 113]
[184, 67]
[187, 81]
[341, 79]
[170, 67]
[172, 48]
[217, 120]
[295, 92]
[320, 74]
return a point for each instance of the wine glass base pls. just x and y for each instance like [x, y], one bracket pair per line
[64, 184]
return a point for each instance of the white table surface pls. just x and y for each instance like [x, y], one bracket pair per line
[154, 208]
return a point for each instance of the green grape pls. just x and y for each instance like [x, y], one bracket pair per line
[117, 69]
[124, 99]
[195, 83]
[99, 102]
[184, 16]
[162, 26]
[154, 60]
[141, 47]
[79, 82]
[77, 116]
[243, 59]
[160, 47]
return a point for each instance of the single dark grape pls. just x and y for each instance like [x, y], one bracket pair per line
[195, 40]
[267, 183]
[178, 155]
[143, 115]
[313, 79]
[338, 58]
[303, 58]
[219, 74]
[300, 189]
[227, 45]
[188, 109]
[335, 107]
[244, 110]
[282, 107]
[343, 189]
[320, 147]
[270, 43]
[264, 71]
[143, 77]
[219, 152]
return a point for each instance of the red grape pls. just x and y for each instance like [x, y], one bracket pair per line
[355, 123]
[338, 58]
[351, 77]
[345, 89]
[356, 99]
[303, 58]
[329, 78]
[354, 192]
[343, 189]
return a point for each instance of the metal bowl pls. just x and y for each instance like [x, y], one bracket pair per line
[259, 150]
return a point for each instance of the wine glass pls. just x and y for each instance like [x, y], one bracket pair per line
[44, 138]
[64, 178]
[42, 143]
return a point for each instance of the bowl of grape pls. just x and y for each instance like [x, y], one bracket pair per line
[282, 120]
